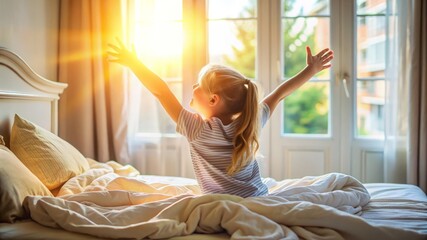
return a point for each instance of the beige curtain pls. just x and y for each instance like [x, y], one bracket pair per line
[92, 110]
[417, 157]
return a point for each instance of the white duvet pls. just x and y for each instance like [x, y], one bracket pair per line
[113, 201]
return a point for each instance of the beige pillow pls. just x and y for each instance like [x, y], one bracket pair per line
[16, 182]
[50, 158]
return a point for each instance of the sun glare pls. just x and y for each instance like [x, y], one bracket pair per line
[157, 34]
[159, 39]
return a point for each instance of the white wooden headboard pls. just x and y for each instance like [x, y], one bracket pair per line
[24, 92]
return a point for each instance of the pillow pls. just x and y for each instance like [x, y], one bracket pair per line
[16, 182]
[50, 158]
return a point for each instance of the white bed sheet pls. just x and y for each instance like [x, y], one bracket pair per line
[397, 205]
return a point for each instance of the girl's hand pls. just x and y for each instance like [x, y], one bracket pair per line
[120, 54]
[320, 61]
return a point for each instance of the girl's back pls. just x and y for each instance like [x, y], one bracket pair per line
[211, 147]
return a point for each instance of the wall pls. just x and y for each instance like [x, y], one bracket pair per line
[30, 29]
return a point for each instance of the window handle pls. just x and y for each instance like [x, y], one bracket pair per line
[346, 78]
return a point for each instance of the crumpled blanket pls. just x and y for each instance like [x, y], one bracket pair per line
[114, 201]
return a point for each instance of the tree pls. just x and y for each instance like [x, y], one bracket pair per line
[306, 111]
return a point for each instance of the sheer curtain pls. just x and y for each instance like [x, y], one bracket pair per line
[92, 110]
[405, 102]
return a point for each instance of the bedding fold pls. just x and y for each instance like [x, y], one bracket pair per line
[109, 204]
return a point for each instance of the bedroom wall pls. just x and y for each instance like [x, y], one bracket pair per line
[30, 28]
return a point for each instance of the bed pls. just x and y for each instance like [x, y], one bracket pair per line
[48, 190]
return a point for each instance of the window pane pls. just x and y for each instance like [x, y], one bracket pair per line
[371, 45]
[370, 108]
[306, 111]
[233, 43]
[160, 46]
[299, 33]
[149, 10]
[220, 9]
[294, 8]
[305, 23]
[371, 65]
[371, 6]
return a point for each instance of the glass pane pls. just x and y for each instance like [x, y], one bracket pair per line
[295, 8]
[301, 32]
[306, 111]
[149, 10]
[371, 6]
[233, 43]
[220, 9]
[159, 45]
[371, 46]
[370, 108]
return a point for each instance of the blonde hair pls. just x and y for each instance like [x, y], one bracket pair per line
[240, 95]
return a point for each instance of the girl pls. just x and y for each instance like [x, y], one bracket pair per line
[223, 134]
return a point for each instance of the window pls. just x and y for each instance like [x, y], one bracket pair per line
[232, 40]
[265, 40]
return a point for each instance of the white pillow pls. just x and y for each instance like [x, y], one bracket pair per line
[50, 158]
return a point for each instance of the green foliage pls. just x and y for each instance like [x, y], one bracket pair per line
[302, 111]
[294, 56]
[243, 58]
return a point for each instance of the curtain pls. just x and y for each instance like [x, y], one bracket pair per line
[405, 101]
[417, 157]
[92, 110]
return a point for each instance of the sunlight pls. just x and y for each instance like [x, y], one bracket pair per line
[159, 39]
[158, 35]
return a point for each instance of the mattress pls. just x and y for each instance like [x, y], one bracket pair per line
[396, 205]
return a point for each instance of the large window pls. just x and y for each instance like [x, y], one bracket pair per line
[334, 122]
[230, 37]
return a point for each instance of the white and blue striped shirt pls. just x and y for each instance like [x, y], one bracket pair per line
[211, 148]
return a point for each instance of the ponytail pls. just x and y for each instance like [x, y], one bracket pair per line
[246, 139]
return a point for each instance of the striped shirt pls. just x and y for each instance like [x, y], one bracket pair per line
[211, 148]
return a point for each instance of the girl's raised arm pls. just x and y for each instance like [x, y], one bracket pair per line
[315, 64]
[149, 79]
